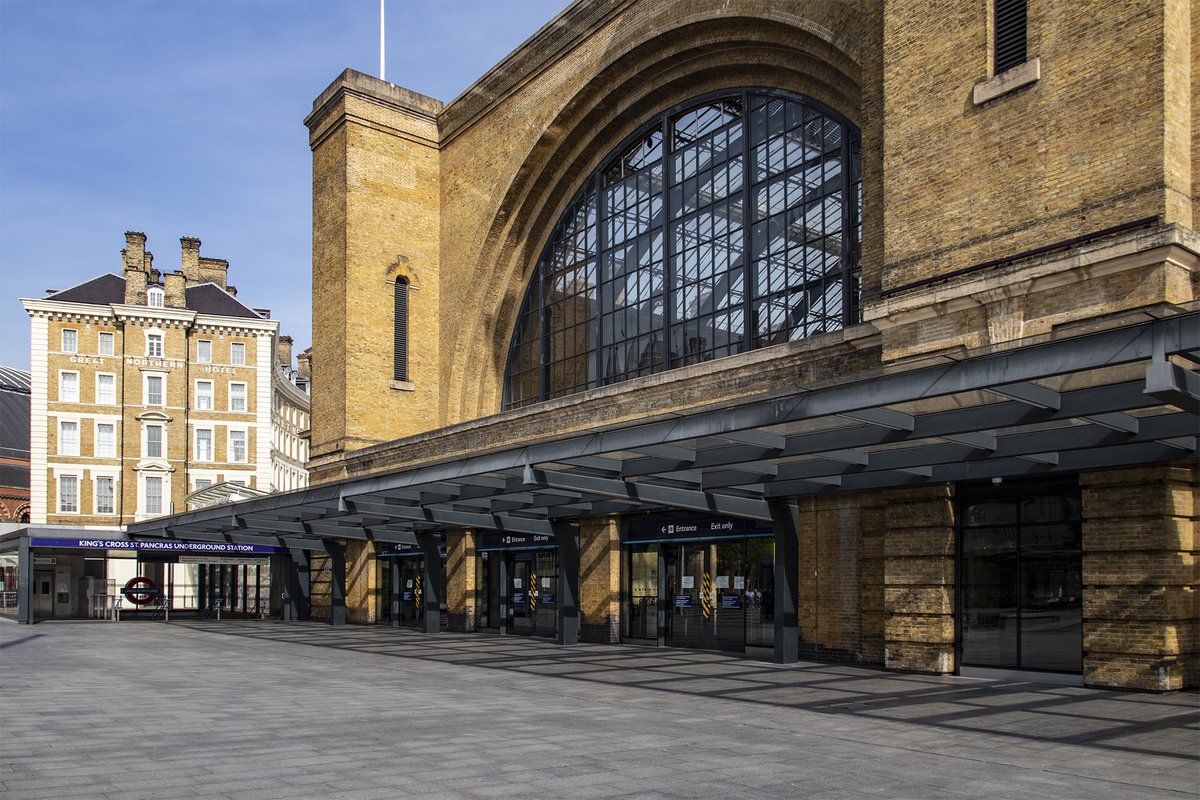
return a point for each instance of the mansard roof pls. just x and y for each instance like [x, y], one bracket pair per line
[204, 298]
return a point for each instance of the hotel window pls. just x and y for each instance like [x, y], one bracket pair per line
[104, 495]
[106, 389]
[400, 331]
[70, 341]
[68, 494]
[68, 387]
[68, 438]
[154, 390]
[154, 345]
[1009, 34]
[237, 446]
[154, 297]
[204, 445]
[204, 395]
[106, 440]
[106, 344]
[237, 354]
[204, 351]
[154, 495]
[154, 441]
[237, 397]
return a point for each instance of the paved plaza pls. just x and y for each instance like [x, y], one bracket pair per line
[304, 710]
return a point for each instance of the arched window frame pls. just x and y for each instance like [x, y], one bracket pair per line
[403, 280]
[533, 374]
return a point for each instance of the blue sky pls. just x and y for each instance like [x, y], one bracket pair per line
[184, 118]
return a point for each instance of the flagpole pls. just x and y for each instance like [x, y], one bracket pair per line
[382, 73]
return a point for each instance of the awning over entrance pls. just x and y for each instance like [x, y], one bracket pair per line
[1121, 396]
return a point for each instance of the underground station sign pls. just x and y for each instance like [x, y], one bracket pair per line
[140, 591]
[156, 546]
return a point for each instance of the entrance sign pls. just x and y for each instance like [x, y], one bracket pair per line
[503, 541]
[685, 528]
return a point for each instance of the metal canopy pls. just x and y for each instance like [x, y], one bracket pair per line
[1112, 398]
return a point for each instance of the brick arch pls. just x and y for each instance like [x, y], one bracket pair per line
[666, 66]
[401, 269]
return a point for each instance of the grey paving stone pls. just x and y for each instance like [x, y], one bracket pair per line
[260, 711]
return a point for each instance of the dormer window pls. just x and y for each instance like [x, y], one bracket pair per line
[154, 297]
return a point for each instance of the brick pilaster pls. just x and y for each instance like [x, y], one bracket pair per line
[600, 578]
[1139, 578]
[461, 579]
[918, 567]
[362, 583]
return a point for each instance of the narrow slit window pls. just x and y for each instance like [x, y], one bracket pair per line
[1009, 44]
[400, 332]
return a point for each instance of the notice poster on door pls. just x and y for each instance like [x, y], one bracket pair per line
[722, 581]
[545, 583]
[739, 582]
[517, 583]
[687, 582]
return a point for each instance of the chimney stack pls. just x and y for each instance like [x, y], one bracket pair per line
[283, 351]
[304, 364]
[189, 248]
[175, 290]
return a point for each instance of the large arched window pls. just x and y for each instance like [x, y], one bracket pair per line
[726, 225]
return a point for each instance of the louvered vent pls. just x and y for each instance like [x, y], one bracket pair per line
[1010, 34]
[400, 333]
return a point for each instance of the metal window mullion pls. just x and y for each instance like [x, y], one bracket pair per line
[848, 216]
[749, 271]
[601, 242]
[668, 241]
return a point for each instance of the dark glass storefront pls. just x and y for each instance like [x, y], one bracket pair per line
[698, 582]
[402, 576]
[518, 584]
[1020, 576]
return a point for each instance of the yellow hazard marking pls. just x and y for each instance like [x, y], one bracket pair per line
[533, 591]
[706, 596]
[417, 592]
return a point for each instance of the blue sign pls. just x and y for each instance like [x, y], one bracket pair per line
[402, 549]
[547, 598]
[518, 598]
[157, 546]
[684, 601]
[731, 601]
[406, 594]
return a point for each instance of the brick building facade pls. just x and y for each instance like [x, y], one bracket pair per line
[148, 386]
[675, 278]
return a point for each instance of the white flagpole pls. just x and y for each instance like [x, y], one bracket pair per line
[382, 73]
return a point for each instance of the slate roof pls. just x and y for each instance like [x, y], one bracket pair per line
[204, 298]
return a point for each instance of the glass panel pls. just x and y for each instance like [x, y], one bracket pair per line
[685, 575]
[1051, 597]
[729, 585]
[989, 614]
[640, 615]
[760, 592]
[518, 592]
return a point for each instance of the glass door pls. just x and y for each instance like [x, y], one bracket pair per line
[760, 592]
[727, 564]
[543, 593]
[686, 626]
[412, 590]
[1020, 565]
[519, 569]
[640, 592]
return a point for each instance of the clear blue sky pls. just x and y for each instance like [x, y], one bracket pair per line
[183, 118]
